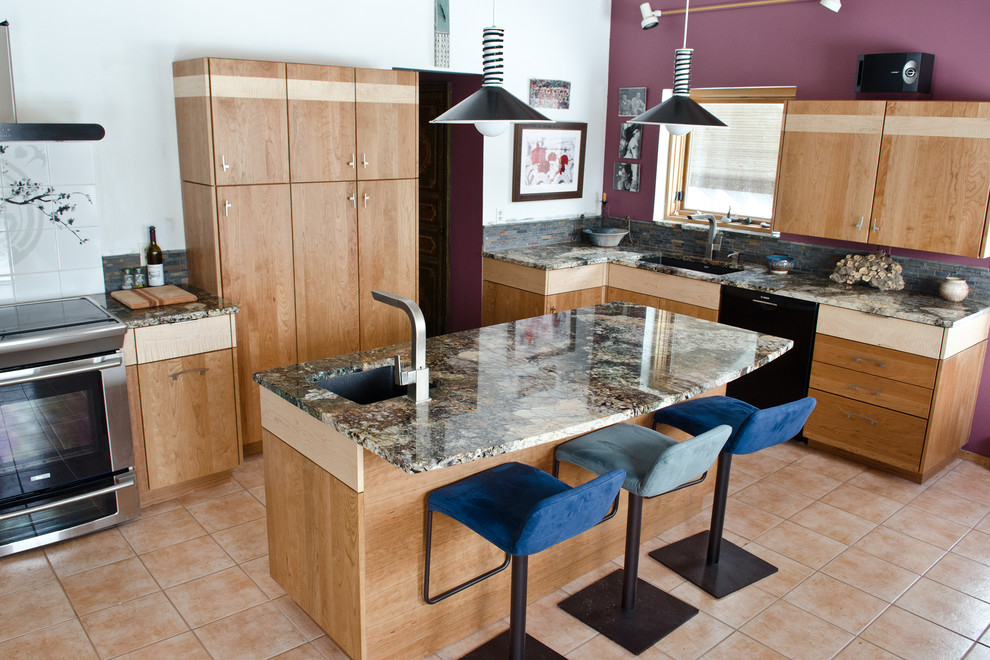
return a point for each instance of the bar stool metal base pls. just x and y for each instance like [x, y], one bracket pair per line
[497, 648]
[736, 568]
[657, 613]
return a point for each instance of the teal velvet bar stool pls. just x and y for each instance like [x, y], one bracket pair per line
[706, 559]
[627, 610]
[521, 510]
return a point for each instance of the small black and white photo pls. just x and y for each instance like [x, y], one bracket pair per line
[626, 177]
[632, 101]
[630, 140]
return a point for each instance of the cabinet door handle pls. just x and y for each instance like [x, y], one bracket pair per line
[364, 159]
[864, 387]
[872, 421]
[366, 198]
[876, 227]
[176, 375]
[859, 225]
[353, 200]
[226, 208]
[352, 162]
[766, 303]
[223, 162]
[860, 358]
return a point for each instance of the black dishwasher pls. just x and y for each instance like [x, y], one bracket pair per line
[786, 378]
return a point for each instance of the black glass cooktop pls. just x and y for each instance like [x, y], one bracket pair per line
[50, 315]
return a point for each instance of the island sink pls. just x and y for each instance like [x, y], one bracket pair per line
[690, 264]
[364, 387]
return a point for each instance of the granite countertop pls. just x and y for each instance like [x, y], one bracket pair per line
[507, 387]
[905, 305]
[206, 304]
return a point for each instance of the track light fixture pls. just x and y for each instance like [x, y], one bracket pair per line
[649, 16]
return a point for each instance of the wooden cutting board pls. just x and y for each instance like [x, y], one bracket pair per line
[154, 296]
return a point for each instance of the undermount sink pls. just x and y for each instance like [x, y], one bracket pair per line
[364, 387]
[691, 264]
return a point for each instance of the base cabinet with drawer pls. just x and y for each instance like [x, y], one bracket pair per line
[892, 393]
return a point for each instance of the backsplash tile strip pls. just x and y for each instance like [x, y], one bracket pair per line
[174, 260]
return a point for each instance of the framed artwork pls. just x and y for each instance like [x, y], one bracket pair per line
[548, 161]
[630, 140]
[550, 94]
[632, 101]
[625, 176]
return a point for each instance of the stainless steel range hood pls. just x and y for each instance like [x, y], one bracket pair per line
[10, 129]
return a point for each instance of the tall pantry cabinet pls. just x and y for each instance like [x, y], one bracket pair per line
[299, 193]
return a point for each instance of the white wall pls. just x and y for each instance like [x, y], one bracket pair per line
[109, 62]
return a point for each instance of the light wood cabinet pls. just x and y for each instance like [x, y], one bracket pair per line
[910, 174]
[387, 119]
[681, 295]
[892, 393]
[321, 123]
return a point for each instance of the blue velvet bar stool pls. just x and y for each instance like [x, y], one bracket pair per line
[521, 510]
[706, 559]
[627, 610]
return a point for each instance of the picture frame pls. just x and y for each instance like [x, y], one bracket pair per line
[630, 141]
[632, 101]
[625, 176]
[548, 161]
[555, 94]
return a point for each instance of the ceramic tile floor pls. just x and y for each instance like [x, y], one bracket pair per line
[871, 566]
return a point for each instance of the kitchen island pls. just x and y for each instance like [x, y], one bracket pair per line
[346, 484]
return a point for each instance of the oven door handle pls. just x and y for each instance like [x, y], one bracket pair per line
[45, 371]
[126, 481]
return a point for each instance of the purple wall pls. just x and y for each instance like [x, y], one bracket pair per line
[801, 44]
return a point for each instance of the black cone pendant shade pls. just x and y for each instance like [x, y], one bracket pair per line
[491, 109]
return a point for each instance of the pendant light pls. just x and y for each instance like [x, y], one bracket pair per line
[491, 109]
[680, 113]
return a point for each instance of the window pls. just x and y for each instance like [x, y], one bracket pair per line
[715, 169]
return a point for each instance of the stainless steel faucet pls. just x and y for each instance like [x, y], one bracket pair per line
[419, 376]
[712, 231]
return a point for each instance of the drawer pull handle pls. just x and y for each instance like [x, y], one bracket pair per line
[176, 375]
[879, 363]
[872, 421]
[864, 387]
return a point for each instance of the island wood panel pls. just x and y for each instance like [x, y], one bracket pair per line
[875, 390]
[325, 254]
[250, 125]
[828, 168]
[946, 145]
[322, 142]
[199, 213]
[875, 360]
[193, 120]
[387, 120]
[316, 543]
[952, 413]
[256, 232]
[664, 286]
[137, 428]
[388, 249]
[882, 331]
[183, 398]
[502, 304]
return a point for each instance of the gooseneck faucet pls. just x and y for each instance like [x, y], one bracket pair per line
[419, 376]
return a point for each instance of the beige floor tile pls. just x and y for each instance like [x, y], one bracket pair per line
[962, 574]
[474, 640]
[211, 493]
[600, 647]
[738, 645]
[259, 632]
[887, 485]
[694, 638]
[305, 652]
[963, 483]
[976, 546]
[831, 466]
[806, 482]
[227, 511]
[733, 610]
[862, 503]
[758, 464]
[926, 527]
[739, 480]
[697, 523]
[108, 585]
[259, 571]
[789, 573]
[161, 507]
[246, 541]
[331, 651]
[834, 523]
[801, 544]
[23, 570]
[305, 625]
[86, 552]
[184, 646]
[748, 521]
[984, 525]
[914, 638]
[63, 640]
[778, 501]
[34, 608]
[795, 633]
[871, 574]
[951, 507]
[186, 561]
[259, 493]
[947, 607]
[860, 649]
[133, 625]
[165, 529]
[979, 652]
[901, 549]
[251, 472]
[836, 602]
[555, 627]
[215, 596]
[595, 575]
[789, 451]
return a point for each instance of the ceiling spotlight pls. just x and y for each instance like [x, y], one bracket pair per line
[649, 16]
[834, 5]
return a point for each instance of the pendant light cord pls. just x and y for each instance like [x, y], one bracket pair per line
[687, 9]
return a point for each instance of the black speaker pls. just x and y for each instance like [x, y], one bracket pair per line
[895, 72]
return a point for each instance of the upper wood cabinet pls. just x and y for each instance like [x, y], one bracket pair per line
[910, 174]
[322, 143]
[387, 124]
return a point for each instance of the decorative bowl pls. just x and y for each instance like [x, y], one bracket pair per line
[953, 289]
[606, 236]
[780, 264]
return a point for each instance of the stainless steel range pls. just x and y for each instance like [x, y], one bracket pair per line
[66, 459]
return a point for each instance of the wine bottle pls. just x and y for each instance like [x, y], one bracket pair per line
[156, 271]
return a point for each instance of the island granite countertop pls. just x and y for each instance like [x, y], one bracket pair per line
[517, 385]
[905, 305]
